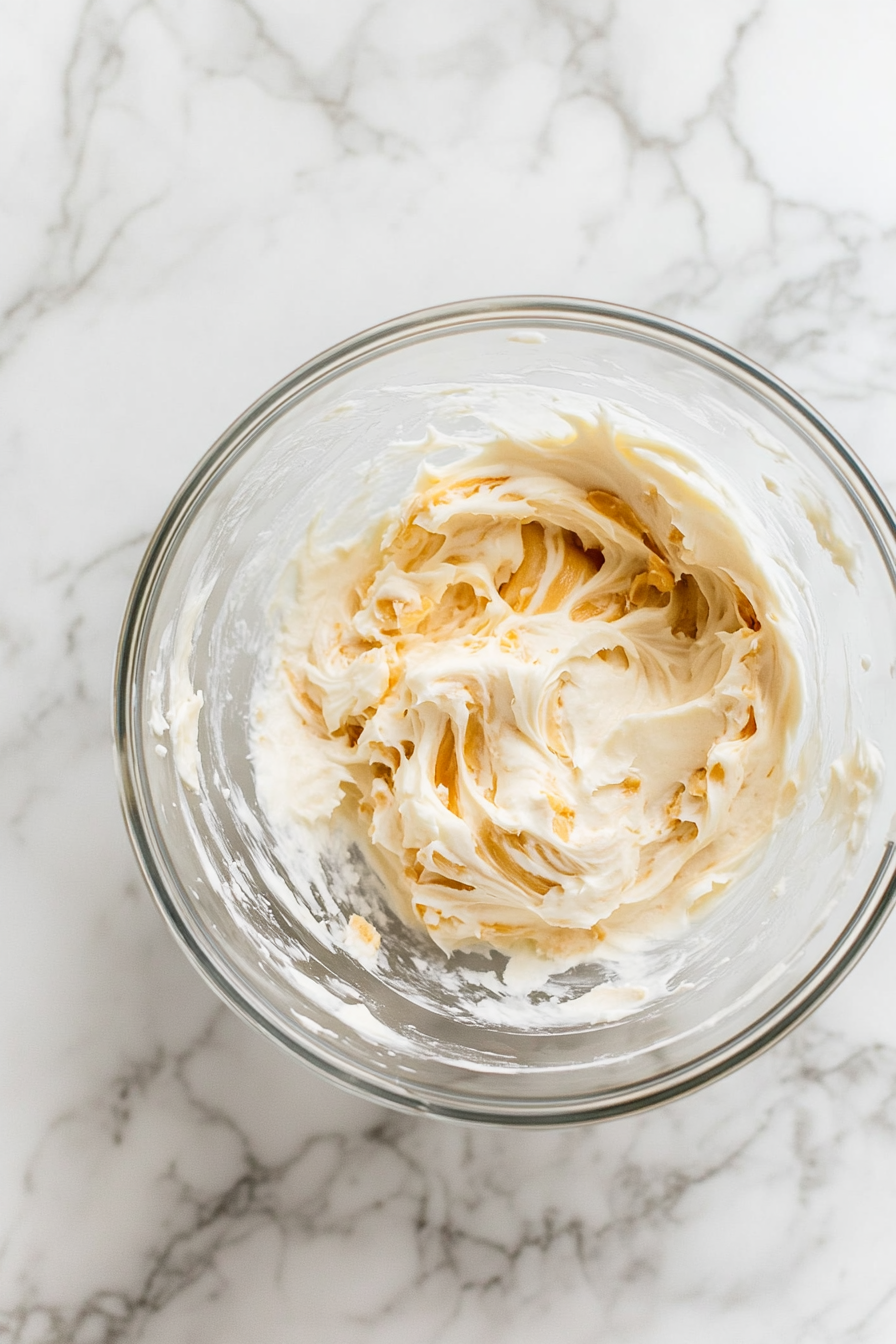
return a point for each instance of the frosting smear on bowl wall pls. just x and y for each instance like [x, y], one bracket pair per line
[557, 688]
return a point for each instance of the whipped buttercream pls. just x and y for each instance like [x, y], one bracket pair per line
[558, 685]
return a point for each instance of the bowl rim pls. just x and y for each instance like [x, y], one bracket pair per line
[160, 876]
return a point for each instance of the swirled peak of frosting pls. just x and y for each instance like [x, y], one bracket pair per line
[556, 684]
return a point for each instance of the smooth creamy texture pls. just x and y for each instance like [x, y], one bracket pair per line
[558, 685]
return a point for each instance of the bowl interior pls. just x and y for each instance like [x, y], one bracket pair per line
[262, 916]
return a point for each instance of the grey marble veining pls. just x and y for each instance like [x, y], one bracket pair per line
[194, 198]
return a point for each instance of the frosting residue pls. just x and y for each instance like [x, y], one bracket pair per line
[855, 778]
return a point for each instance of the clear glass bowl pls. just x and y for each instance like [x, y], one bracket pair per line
[248, 916]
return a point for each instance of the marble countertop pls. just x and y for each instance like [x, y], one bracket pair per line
[194, 198]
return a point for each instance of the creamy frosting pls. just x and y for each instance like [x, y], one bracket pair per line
[558, 685]
[855, 778]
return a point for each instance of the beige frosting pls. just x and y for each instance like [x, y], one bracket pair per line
[557, 684]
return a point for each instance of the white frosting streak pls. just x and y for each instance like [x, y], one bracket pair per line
[185, 700]
[855, 778]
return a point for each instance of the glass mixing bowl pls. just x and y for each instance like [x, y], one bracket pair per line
[413, 1032]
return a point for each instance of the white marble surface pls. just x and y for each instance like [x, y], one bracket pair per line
[196, 195]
